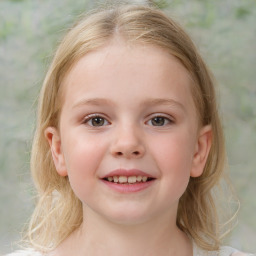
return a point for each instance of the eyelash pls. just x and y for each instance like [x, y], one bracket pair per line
[88, 119]
[167, 120]
[94, 116]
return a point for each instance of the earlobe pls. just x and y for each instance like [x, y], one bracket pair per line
[202, 150]
[53, 138]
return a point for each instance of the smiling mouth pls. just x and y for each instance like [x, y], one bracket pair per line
[128, 179]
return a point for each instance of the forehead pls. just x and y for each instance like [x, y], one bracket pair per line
[117, 53]
[136, 70]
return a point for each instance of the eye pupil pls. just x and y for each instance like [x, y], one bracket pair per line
[97, 121]
[158, 121]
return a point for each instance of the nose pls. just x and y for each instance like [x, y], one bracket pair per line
[128, 143]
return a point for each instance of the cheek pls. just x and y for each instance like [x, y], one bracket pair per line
[82, 158]
[174, 151]
[174, 157]
[83, 153]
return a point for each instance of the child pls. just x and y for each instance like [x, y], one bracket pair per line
[129, 146]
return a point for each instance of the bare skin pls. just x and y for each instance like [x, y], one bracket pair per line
[129, 90]
[149, 239]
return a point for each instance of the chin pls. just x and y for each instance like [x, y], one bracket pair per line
[128, 217]
[122, 213]
[128, 221]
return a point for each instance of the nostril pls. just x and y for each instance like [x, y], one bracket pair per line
[136, 153]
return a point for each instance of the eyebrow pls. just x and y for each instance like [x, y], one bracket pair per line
[147, 102]
[93, 102]
[160, 101]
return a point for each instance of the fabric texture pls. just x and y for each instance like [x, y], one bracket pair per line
[224, 251]
[27, 252]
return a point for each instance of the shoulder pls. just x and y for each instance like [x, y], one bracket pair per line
[27, 252]
[223, 251]
[242, 254]
[229, 251]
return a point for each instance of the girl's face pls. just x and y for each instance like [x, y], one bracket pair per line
[128, 111]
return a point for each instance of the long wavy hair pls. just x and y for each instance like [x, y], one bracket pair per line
[58, 211]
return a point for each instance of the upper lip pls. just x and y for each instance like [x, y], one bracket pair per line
[127, 172]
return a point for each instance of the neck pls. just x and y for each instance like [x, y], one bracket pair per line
[98, 236]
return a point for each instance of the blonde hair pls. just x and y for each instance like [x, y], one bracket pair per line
[59, 212]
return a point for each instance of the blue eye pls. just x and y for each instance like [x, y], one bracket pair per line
[96, 121]
[159, 121]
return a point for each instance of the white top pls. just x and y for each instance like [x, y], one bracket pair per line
[27, 252]
[224, 251]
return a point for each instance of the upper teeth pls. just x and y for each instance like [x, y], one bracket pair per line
[125, 179]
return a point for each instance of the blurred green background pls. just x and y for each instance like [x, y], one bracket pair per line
[223, 30]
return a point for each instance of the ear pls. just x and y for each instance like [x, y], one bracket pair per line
[53, 137]
[202, 149]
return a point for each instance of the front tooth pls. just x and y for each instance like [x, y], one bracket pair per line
[110, 179]
[122, 179]
[139, 178]
[144, 178]
[132, 179]
[115, 179]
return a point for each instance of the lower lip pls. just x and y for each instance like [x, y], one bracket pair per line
[128, 188]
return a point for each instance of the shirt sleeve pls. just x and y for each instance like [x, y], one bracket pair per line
[229, 251]
[27, 252]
